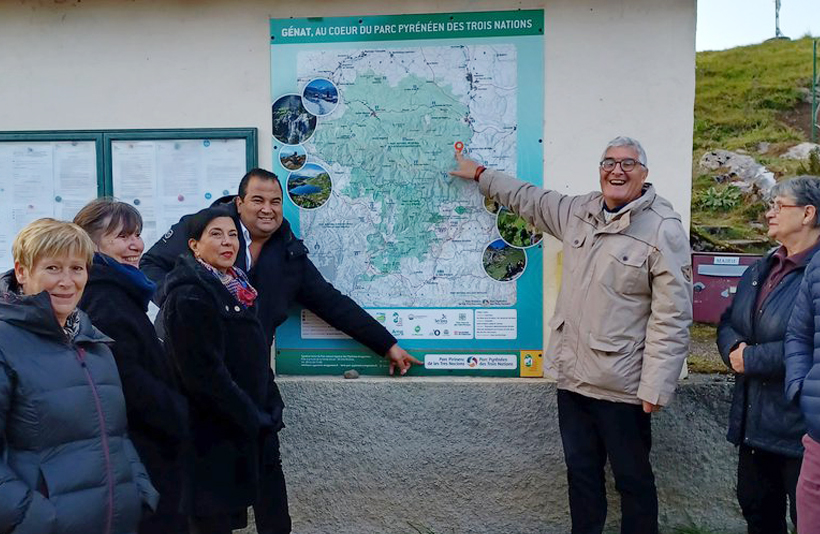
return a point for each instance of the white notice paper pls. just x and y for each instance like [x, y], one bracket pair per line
[496, 324]
[42, 179]
[166, 179]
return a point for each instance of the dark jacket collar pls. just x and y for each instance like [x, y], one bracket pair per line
[768, 259]
[188, 271]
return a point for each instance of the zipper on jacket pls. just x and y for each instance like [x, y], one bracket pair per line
[109, 518]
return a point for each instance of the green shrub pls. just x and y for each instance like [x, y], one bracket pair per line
[813, 165]
[714, 199]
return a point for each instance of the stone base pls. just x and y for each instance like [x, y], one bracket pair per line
[480, 456]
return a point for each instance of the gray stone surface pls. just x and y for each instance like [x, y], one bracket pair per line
[742, 170]
[480, 456]
[801, 151]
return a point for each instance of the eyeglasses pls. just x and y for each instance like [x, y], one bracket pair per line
[627, 164]
[777, 206]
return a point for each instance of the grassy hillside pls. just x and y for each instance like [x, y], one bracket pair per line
[746, 96]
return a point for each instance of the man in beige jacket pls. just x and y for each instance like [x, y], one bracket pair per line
[620, 332]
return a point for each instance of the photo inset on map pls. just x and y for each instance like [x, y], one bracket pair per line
[292, 157]
[503, 262]
[309, 188]
[491, 205]
[292, 123]
[515, 231]
[320, 96]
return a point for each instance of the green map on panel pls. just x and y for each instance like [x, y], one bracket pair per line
[398, 231]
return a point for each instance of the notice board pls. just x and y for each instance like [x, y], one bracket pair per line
[164, 173]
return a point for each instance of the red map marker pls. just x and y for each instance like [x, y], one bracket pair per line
[459, 146]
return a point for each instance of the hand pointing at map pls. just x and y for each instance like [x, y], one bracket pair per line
[400, 358]
[466, 167]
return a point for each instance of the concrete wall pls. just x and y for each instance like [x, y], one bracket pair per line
[480, 456]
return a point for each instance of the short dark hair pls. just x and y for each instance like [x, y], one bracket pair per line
[196, 225]
[256, 173]
[105, 215]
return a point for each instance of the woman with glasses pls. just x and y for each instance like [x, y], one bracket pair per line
[116, 299]
[766, 427]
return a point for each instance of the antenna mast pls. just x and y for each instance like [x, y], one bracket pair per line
[777, 33]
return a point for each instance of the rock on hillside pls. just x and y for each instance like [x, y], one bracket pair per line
[743, 171]
[801, 151]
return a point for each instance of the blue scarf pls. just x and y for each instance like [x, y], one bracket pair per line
[144, 286]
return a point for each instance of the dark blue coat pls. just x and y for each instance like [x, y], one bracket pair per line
[760, 416]
[283, 275]
[68, 466]
[803, 350]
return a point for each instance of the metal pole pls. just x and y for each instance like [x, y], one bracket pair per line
[777, 19]
[814, 122]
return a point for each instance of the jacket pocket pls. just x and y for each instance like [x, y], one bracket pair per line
[556, 339]
[574, 251]
[608, 345]
[611, 364]
[627, 272]
[42, 487]
[556, 322]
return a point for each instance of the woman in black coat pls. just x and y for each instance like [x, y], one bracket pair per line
[765, 426]
[116, 298]
[220, 351]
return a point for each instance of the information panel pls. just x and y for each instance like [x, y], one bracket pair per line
[42, 179]
[366, 114]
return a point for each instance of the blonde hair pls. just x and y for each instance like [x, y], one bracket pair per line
[51, 238]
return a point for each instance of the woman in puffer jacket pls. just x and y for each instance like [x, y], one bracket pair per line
[803, 390]
[68, 466]
[762, 423]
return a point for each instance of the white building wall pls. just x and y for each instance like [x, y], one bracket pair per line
[363, 456]
[613, 67]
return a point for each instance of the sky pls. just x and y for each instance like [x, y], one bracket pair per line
[728, 23]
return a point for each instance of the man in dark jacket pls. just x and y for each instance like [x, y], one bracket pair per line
[278, 266]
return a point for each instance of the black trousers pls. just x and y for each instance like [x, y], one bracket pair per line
[271, 508]
[213, 524]
[593, 431]
[764, 481]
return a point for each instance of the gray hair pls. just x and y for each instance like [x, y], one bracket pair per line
[629, 142]
[805, 190]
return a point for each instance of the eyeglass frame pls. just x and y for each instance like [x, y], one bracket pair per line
[616, 162]
[775, 207]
